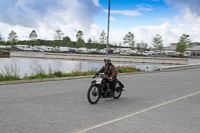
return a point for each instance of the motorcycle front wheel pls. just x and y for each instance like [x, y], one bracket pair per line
[93, 94]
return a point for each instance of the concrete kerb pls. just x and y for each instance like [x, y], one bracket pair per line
[179, 67]
[162, 69]
[88, 57]
[42, 80]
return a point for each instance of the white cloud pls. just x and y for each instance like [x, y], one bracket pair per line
[171, 31]
[112, 19]
[164, 19]
[144, 7]
[146, 33]
[96, 2]
[71, 16]
[124, 12]
[193, 5]
[46, 16]
[7, 28]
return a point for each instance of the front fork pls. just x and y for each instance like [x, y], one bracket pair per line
[98, 86]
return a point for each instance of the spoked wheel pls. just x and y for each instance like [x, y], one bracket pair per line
[93, 94]
[118, 91]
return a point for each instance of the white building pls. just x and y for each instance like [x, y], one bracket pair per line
[195, 49]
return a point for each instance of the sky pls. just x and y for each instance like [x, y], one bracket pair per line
[144, 18]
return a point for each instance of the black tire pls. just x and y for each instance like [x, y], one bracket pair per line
[93, 94]
[118, 91]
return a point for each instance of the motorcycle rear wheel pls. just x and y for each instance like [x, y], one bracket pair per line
[93, 94]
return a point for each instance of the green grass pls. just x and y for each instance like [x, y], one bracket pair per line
[8, 77]
[57, 74]
[4, 52]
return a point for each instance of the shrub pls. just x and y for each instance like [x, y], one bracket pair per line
[124, 69]
[4, 52]
[10, 72]
[57, 74]
[8, 77]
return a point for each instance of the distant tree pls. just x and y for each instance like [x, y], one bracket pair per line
[102, 37]
[12, 37]
[1, 39]
[157, 42]
[59, 35]
[55, 43]
[89, 40]
[142, 46]
[80, 42]
[79, 35]
[129, 39]
[183, 44]
[67, 41]
[94, 40]
[33, 35]
[120, 44]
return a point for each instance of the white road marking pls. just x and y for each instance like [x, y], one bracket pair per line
[136, 113]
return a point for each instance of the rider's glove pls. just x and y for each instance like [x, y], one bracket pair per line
[110, 78]
[94, 76]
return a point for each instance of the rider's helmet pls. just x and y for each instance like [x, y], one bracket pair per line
[107, 59]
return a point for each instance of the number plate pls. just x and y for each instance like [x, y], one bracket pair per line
[98, 81]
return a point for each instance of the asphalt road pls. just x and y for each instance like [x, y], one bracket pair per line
[165, 102]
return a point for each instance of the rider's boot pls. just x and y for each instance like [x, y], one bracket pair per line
[106, 94]
[112, 93]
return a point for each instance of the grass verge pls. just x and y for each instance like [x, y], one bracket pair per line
[58, 74]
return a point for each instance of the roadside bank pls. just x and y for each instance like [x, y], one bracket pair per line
[179, 67]
[89, 57]
[163, 69]
[4, 54]
[182, 63]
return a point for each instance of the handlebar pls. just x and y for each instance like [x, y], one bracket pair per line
[102, 75]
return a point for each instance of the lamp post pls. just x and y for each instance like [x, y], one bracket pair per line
[108, 29]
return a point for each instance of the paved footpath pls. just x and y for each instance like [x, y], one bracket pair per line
[163, 102]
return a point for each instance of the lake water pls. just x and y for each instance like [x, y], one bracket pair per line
[30, 66]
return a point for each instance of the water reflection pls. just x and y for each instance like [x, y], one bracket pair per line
[30, 66]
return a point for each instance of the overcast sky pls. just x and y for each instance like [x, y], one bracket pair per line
[144, 18]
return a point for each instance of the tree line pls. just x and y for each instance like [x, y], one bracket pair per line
[157, 42]
[61, 40]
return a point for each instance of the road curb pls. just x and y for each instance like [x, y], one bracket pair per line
[178, 67]
[42, 80]
[161, 69]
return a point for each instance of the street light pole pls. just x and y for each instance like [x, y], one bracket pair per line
[108, 29]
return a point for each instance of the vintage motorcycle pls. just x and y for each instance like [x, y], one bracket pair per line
[100, 88]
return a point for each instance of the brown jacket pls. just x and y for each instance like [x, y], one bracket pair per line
[109, 70]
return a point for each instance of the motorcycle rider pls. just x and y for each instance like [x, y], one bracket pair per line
[110, 71]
